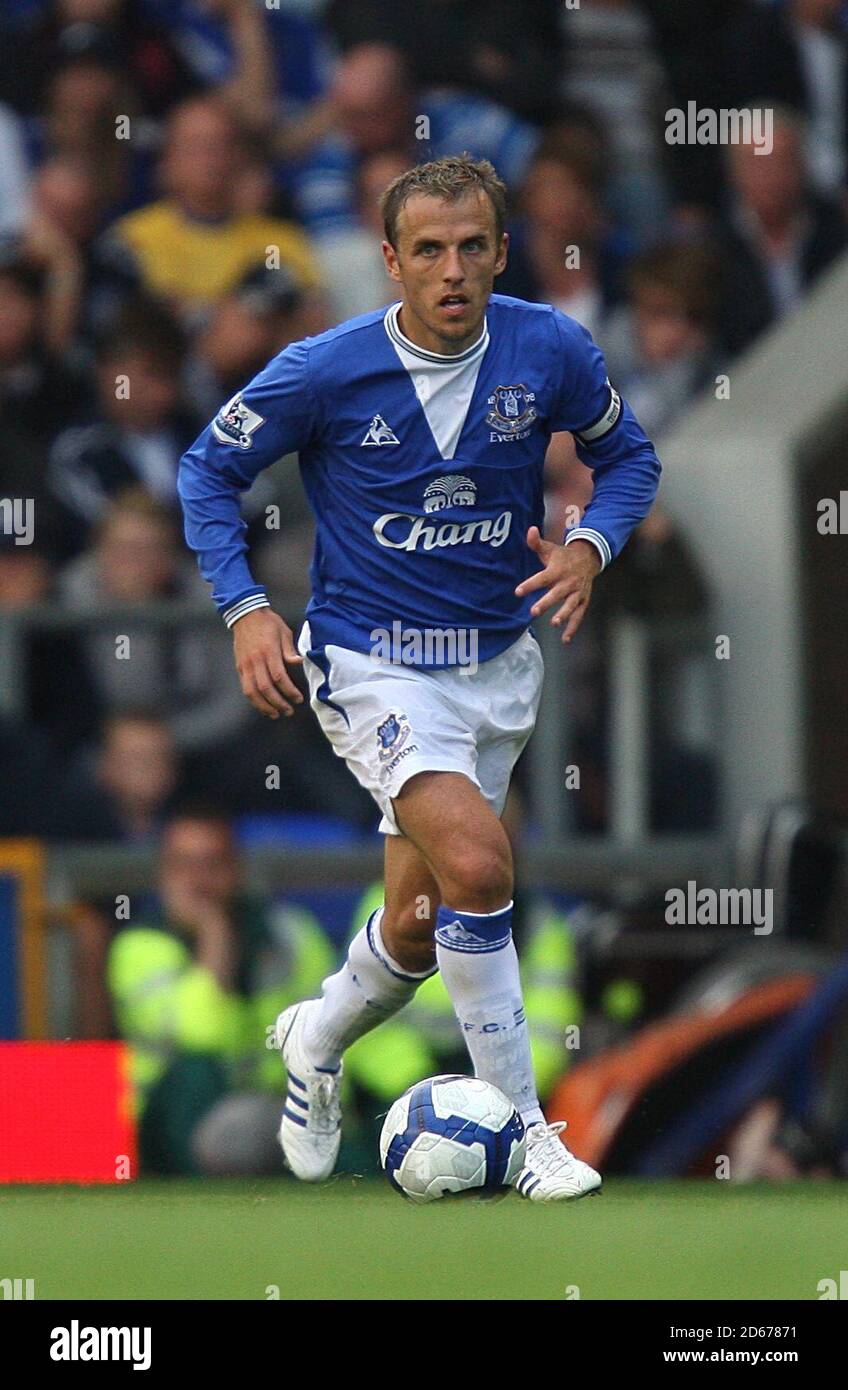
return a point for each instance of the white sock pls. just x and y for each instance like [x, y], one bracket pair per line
[479, 966]
[368, 989]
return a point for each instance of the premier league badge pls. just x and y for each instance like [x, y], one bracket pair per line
[512, 411]
[236, 423]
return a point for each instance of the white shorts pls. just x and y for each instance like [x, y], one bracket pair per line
[389, 722]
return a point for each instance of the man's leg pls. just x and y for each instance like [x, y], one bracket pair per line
[461, 838]
[370, 986]
[374, 983]
[458, 834]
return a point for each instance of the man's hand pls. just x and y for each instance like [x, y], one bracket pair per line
[568, 576]
[207, 922]
[262, 644]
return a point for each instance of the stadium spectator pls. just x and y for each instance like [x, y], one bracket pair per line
[735, 53]
[351, 259]
[124, 793]
[792, 53]
[571, 257]
[713, 56]
[506, 52]
[375, 107]
[660, 346]
[137, 430]
[67, 192]
[68, 195]
[614, 71]
[194, 982]
[137, 559]
[268, 60]
[124, 29]
[193, 246]
[38, 390]
[92, 114]
[255, 320]
[778, 236]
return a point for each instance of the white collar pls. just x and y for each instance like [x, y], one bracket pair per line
[442, 359]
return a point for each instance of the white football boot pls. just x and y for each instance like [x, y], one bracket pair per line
[310, 1129]
[551, 1173]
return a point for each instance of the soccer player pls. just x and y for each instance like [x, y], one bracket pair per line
[422, 431]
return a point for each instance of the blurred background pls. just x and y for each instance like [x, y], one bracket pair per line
[186, 186]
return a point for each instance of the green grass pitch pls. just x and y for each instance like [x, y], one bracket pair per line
[356, 1239]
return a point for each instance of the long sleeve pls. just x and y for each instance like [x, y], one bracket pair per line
[275, 414]
[609, 440]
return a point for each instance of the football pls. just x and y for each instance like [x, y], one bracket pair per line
[451, 1134]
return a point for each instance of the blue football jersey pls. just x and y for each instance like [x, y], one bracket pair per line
[406, 534]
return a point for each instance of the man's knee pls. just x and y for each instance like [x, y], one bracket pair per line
[466, 846]
[476, 875]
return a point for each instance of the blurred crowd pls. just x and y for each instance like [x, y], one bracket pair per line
[186, 186]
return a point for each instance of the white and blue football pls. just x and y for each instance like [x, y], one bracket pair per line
[451, 1134]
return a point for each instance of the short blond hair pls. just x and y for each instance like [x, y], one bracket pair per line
[449, 178]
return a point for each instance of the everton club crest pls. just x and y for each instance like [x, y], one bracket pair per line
[391, 735]
[511, 412]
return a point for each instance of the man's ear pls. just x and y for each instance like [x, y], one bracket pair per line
[500, 263]
[390, 260]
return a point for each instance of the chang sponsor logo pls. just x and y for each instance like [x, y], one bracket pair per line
[406, 531]
[403, 531]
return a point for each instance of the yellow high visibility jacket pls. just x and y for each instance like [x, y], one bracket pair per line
[166, 1004]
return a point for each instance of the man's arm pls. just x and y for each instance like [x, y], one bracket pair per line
[274, 415]
[609, 440]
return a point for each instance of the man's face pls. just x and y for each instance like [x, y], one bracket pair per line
[139, 764]
[154, 390]
[136, 556]
[446, 260]
[558, 203]
[83, 99]
[201, 153]
[371, 97]
[664, 329]
[70, 198]
[199, 863]
[772, 185]
[238, 341]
